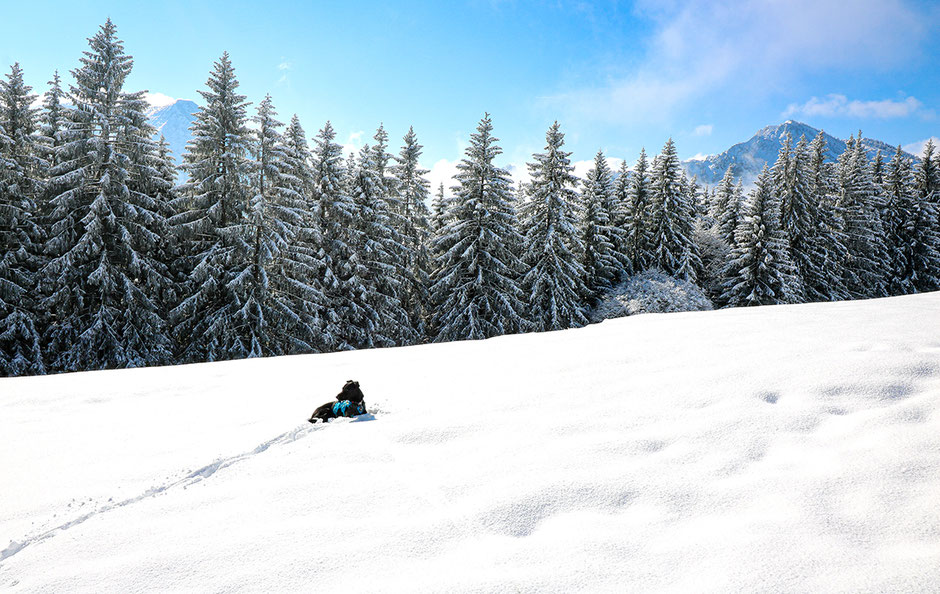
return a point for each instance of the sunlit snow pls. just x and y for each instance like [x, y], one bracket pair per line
[774, 449]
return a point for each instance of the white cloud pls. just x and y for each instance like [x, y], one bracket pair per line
[158, 100]
[698, 157]
[703, 130]
[705, 47]
[581, 168]
[917, 148]
[442, 171]
[284, 65]
[353, 143]
[835, 105]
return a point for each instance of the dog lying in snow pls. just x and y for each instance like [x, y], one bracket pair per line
[350, 402]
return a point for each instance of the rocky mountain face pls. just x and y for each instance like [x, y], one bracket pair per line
[173, 122]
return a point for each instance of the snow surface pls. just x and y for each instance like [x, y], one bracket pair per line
[774, 449]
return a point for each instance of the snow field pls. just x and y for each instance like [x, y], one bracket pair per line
[788, 448]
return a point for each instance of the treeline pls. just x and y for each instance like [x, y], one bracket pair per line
[275, 246]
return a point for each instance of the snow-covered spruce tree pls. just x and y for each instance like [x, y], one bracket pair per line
[727, 207]
[927, 175]
[151, 181]
[391, 220]
[413, 192]
[635, 194]
[438, 207]
[672, 214]
[760, 272]
[299, 264]
[864, 272]
[53, 120]
[376, 281]
[213, 200]
[268, 321]
[475, 284]
[166, 180]
[922, 229]
[791, 184]
[103, 283]
[878, 169]
[336, 214]
[603, 264]
[823, 280]
[21, 169]
[910, 230]
[554, 282]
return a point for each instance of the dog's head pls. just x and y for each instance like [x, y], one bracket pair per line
[351, 392]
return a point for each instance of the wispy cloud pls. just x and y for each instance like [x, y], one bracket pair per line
[836, 105]
[708, 47]
[703, 130]
[284, 67]
[917, 148]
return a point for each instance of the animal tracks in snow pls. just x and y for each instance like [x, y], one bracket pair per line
[190, 478]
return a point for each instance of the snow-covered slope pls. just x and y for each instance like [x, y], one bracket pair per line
[746, 159]
[774, 449]
[172, 120]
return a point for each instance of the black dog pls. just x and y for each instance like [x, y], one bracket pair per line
[350, 402]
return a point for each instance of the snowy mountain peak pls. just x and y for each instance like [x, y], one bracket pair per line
[746, 159]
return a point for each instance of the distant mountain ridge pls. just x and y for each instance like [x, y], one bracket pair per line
[173, 120]
[746, 159]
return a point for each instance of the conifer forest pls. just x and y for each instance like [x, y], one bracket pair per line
[277, 244]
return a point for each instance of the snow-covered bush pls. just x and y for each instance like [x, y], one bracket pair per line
[715, 253]
[651, 291]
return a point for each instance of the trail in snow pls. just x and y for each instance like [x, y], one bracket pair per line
[190, 479]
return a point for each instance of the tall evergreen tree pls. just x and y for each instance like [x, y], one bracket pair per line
[266, 320]
[475, 284]
[21, 169]
[726, 207]
[438, 208]
[673, 251]
[555, 281]
[910, 228]
[922, 228]
[823, 279]
[53, 121]
[377, 281]
[603, 263]
[299, 264]
[336, 214]
[413, 192]
[211, 206]
[867, 261]
[927, 175]
[636, 196]
[104, 280]
[760, 272]
[791, 184]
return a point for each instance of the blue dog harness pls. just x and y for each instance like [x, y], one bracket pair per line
[345, 408]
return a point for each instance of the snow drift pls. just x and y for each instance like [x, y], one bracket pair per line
[787, 448]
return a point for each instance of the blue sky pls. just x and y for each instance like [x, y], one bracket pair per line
[617, 75]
